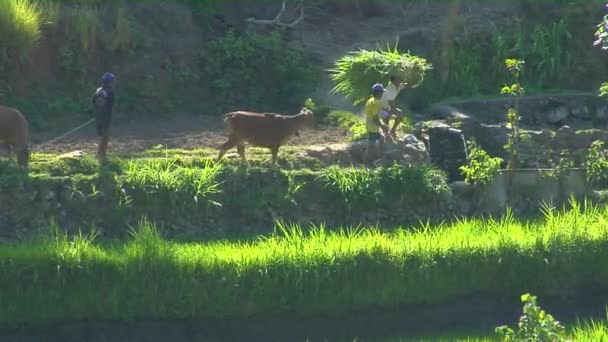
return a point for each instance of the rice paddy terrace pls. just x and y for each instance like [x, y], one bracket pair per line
[162, 243]
[168, 245]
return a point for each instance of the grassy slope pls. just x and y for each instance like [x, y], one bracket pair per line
[183, 189]
[302, 273]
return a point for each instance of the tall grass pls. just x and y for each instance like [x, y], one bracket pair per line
[297, 272]
[122, 37]
[50, 10]
[170, 179]
[85, 25]
[366, 188]
[20, 22]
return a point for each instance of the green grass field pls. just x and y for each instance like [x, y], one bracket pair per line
[295, 272]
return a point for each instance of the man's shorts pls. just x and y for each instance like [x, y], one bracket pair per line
[373, 137]
[386, 114]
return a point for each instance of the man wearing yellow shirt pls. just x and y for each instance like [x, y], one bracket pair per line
[373, 107]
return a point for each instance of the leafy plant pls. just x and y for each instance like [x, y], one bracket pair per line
[534, 325]
[603, 92]
[321, 110]
[482, 168]
[354, 124]
[596, 164]
[601, 35]
[565, 163]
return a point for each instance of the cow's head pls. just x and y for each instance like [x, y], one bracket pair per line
[309, 117]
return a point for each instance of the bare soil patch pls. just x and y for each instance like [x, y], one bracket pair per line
[180, 133]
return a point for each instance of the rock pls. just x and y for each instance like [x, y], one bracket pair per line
[601, 113]
[582, 113]
[557, 115]
[565, 133]
[584, 139]
[493, 138]
[4, 150]
[445, 112]
[72, 155]
[462, 189]
[599, 196]
[410, 139]
[542, 137]
[447, 150]
[404, 153]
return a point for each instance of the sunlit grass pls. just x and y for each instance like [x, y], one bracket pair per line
[294, 271]
[20, 22]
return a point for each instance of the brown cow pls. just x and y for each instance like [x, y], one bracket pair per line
[14, 133]
[263, 130]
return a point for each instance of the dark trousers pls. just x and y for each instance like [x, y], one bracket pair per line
[103, 119]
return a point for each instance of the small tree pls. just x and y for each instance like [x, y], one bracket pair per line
[515, 67]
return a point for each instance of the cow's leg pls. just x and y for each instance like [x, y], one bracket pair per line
[226, 146]
[23, 156]
[275, 152]
[240, 147]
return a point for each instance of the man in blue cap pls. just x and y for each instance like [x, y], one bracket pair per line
[103, 101]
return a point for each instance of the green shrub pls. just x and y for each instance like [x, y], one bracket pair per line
[596, 164]
[482, 168]
[256, 72]
[321, 111]
[347, 120]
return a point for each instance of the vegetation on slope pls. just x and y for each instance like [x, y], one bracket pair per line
[81, 39]
[187, 191]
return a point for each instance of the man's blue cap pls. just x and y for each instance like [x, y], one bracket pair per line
[107, 77]
[378, 88]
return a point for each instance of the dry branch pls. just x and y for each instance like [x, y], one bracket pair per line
[277, 19]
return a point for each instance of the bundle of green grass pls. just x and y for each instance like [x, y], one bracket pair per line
[355, 73]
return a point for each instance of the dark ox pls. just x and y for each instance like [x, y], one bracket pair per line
[263, 130]
[14, 134]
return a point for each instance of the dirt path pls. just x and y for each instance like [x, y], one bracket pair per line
[181, 133]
